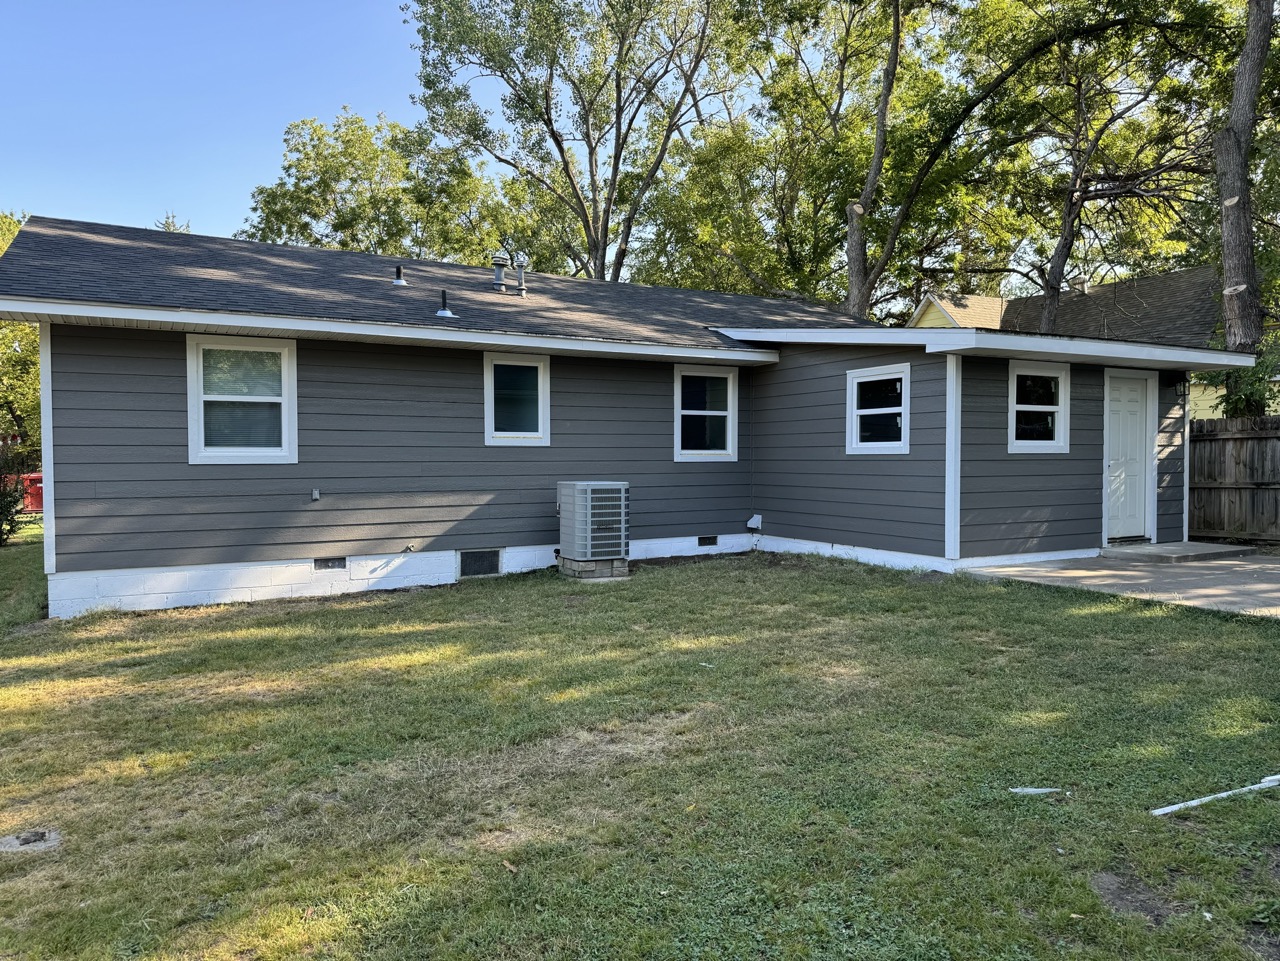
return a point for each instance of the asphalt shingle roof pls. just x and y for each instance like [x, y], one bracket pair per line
[1178, 309]
[64, 260]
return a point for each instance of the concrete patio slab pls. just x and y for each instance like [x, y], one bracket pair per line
[1177, 553]
[1248, 585]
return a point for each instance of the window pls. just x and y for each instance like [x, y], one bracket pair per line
[878, 410]
[706, 413]
[517, 400]
[1039, 408]
[242, 400]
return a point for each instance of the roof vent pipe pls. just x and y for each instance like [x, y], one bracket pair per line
[521, 263]
[1079, 285]
[444, 310]
[400, 281]
[500, 262]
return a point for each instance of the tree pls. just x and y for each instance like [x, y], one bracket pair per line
[353, 186]
[19, 361]
[1249, 391]
[592, 97]
[170, 224]
[1242, 311]
[10, 224]
[1115, 152]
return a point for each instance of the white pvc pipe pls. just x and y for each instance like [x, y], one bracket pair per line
[1266, 782]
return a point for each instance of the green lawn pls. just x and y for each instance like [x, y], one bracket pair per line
[753, 757]
[22, 584]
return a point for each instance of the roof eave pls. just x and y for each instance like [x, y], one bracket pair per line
[194, 321]
[974, 342]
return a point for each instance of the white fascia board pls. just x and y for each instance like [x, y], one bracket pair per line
[990, 343]
[836, 336]
[374, 331]
[1033, 347]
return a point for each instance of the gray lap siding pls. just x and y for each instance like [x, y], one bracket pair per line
[392, 437]
[807, 487]
[1022, 503]
[1170, 451]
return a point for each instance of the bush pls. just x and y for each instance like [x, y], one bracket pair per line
[11, 516]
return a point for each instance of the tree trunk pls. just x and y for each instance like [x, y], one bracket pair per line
[1056, 269]
[1241, 302]
[858, 305]
[19, 421]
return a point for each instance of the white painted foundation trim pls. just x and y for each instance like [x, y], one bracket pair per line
[688, 546]
[157, 588]
[46, 446]
[904, 561]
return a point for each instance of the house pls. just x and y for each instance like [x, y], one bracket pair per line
[1181, 308]
[226, 421]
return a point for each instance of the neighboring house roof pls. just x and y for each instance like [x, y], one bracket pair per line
[89, 263]
[1177, 309]
[971, 310]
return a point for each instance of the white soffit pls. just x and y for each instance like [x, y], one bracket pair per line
[968, 342]
[254, 325]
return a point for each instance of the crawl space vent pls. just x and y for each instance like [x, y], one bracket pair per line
[479, 563]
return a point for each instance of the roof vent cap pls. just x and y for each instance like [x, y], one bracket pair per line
[500, 262]
[400, 281]
[444, 310]
[521, 263]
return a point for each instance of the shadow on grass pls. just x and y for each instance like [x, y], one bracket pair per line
[737, 759]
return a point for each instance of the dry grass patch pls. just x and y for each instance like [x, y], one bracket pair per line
[749, 757]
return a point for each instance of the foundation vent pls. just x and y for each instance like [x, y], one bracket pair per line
[478, 563]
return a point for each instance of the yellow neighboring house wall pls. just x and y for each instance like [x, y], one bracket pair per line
[933, 316]
[1203, 398]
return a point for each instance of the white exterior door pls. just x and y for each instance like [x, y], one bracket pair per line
[1129, 450]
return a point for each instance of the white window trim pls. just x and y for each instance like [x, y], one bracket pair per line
[731, 428]
[1061, 444]
[852, 378]
[541, 437]
[197, 453]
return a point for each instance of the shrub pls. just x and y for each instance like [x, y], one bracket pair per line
[11, 516]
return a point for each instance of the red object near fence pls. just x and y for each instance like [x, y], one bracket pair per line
[33, 493]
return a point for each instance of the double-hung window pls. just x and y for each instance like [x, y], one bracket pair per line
[706, 413]
[517, 400]
[878, 410]
[1039, 408]
[242, 400]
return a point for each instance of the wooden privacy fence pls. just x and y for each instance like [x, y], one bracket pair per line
[1235, 478]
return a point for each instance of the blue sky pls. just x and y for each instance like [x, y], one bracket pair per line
[119, 112]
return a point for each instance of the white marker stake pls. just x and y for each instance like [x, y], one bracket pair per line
[1266, 782]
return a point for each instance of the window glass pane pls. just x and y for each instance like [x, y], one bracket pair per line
[515, 399]
[704, 393]
[249, 373]
[234, 423]
[879, 428]
[704, 432]
[878, 394]
[1037, 389]
[1034, 425]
